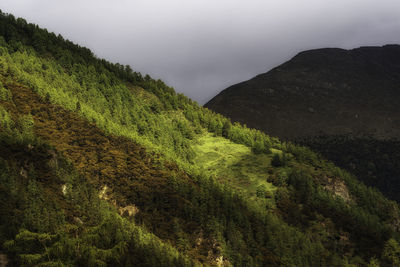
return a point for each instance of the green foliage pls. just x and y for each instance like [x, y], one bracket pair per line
[279, 179]
[262, 191]
[102, 245]
[114, 107]
[375, 162]
[374, 263]
[391, 253]
[223, 205]
[302, 154]
[234, 164]
[39, 232]
[280, 160]
[5, 94]
[19, 132]
[6, 122]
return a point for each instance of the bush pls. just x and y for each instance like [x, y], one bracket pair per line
[280, 160]
[5, 94]
[261, 191]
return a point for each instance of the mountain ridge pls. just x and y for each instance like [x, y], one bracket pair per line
[332, 88]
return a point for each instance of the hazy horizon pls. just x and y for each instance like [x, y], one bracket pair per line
[202, 47]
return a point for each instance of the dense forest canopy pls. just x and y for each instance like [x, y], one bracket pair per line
[100, 166]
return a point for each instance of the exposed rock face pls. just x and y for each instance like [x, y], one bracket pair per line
[129, 211]
[78, 221]
[3, 260]
[339, 188]
[103, 194]
[323, 91]
[64, 189]
[23, 172]
[220, 261]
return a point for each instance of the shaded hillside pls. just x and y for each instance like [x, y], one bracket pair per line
[100, 166]
[324, 91]
[341, 103]
[375, 162]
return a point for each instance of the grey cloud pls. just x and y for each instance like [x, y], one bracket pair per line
[202, 46]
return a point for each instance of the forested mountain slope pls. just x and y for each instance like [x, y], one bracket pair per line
[374, 161]
[341, 103]
[100, 166]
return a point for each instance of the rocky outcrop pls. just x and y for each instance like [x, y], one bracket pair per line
[3, 260]
[130, 210]
[338, 187]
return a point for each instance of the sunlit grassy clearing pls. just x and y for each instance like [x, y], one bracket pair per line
[236, 165]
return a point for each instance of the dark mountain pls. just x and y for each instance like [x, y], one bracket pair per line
[323, 91]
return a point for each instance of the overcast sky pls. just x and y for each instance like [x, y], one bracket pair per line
[200, 47]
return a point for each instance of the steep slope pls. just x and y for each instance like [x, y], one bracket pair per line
[323, 91]
[376, 162]
[53, 216]
[114, 168]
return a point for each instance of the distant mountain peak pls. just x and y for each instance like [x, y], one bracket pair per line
[327, 90]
